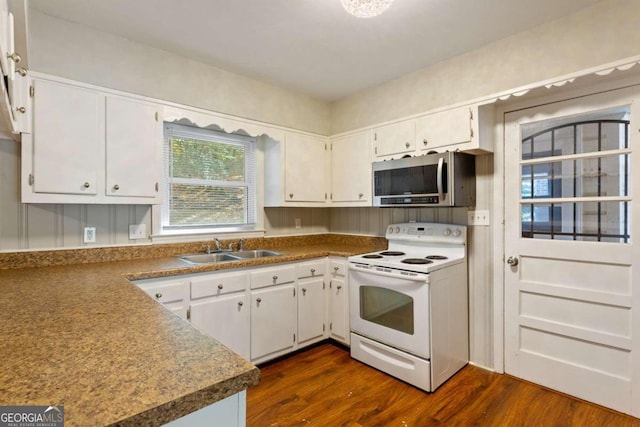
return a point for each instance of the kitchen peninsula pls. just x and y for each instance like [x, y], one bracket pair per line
[85, 337]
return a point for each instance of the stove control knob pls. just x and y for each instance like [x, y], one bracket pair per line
[457, 232]
[397, 229]
[447, 232]
[390, 230]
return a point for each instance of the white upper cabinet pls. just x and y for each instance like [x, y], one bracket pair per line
[394, 140]
[66, 139]
[296, 171]
[132, 133]
[13, 89]
[87, 146]
[463, 128]
[351, 170]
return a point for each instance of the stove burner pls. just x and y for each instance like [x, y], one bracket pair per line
[436, 257]
[416, 261]
[372, 256]
[392, 253]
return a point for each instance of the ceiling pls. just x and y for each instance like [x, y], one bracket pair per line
[312, 46]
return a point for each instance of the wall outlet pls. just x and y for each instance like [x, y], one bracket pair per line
[298, 223]
[137, 231]
[478, 218]
[89, 235]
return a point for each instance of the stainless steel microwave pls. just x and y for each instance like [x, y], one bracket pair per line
[440, 179]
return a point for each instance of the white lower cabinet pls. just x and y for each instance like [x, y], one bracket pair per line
[172, 292]
[273, 322]
[229, 412]
[338, 302]
[312, 302]
[220, 308]
[262, 313]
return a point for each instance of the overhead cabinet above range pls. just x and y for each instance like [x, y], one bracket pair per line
[88, 146]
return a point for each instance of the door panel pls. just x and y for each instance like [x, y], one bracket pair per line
[570, 291]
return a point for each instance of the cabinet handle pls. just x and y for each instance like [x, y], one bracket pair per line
[313, 271]
[425, 142]
[336, 268]
[22, 71]
[291, 195]
[158, 295]
[220, 286]
[14, 57]
[407, 144]
[258, 300]
[304, 291]
[360, 195]
[240, 303]
[116, 187]
[87, 185]
[339, 287]
[275, 278]
[21, 110]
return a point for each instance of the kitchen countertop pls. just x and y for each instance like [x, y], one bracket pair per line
[83, 336]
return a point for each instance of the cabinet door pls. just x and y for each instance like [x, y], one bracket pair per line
[133, 146]
[66, 139]
[173, 293]
[225, 318]
[397, 138]
[444, 128]
[305, 168]
[351, 169]
[339, 311]
[273, 322]
[310, 310]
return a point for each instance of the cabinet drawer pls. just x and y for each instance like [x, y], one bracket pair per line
[169, 292]
[273, 276]
[311, 268]
[218, 284]
[337, 267]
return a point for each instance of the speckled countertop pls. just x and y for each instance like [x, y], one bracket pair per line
[81, 335]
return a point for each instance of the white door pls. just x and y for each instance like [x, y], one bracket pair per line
[571, 294]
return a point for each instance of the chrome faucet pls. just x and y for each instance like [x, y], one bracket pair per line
[218, 244]
[207, 249]
[241, 244]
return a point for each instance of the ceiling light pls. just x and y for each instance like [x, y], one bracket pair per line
[366, 8]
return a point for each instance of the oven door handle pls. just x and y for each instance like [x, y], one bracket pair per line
[440, 179]
[386, 272]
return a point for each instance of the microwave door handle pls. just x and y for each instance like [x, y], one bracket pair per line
[439, 179]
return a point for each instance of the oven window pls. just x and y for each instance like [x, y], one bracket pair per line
[387, 308]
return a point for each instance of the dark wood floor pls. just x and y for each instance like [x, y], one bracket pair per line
[323, 386]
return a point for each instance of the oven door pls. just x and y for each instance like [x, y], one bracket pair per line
[391, 309]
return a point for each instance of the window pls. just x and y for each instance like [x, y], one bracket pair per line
[210, 180]
[575, 179]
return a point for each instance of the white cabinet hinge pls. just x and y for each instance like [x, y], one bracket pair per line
[331, 147]
[331, 196]
[325, 147]
[375, 136]
[31, 179]
[294, 337]
[157, 186]
[330, 284]
[323, 327]
[375, 150]
[471, 132]
[331, 326]
[189, 313]
[31, 91]
[470, 114]
[323, 285]
[325, 196]
[157, 116]
[294, 293]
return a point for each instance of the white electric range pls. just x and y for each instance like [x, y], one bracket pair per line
[408, 304]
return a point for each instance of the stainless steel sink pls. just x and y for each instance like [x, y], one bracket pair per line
[209, 258]
[257, 253]
[216, 257]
